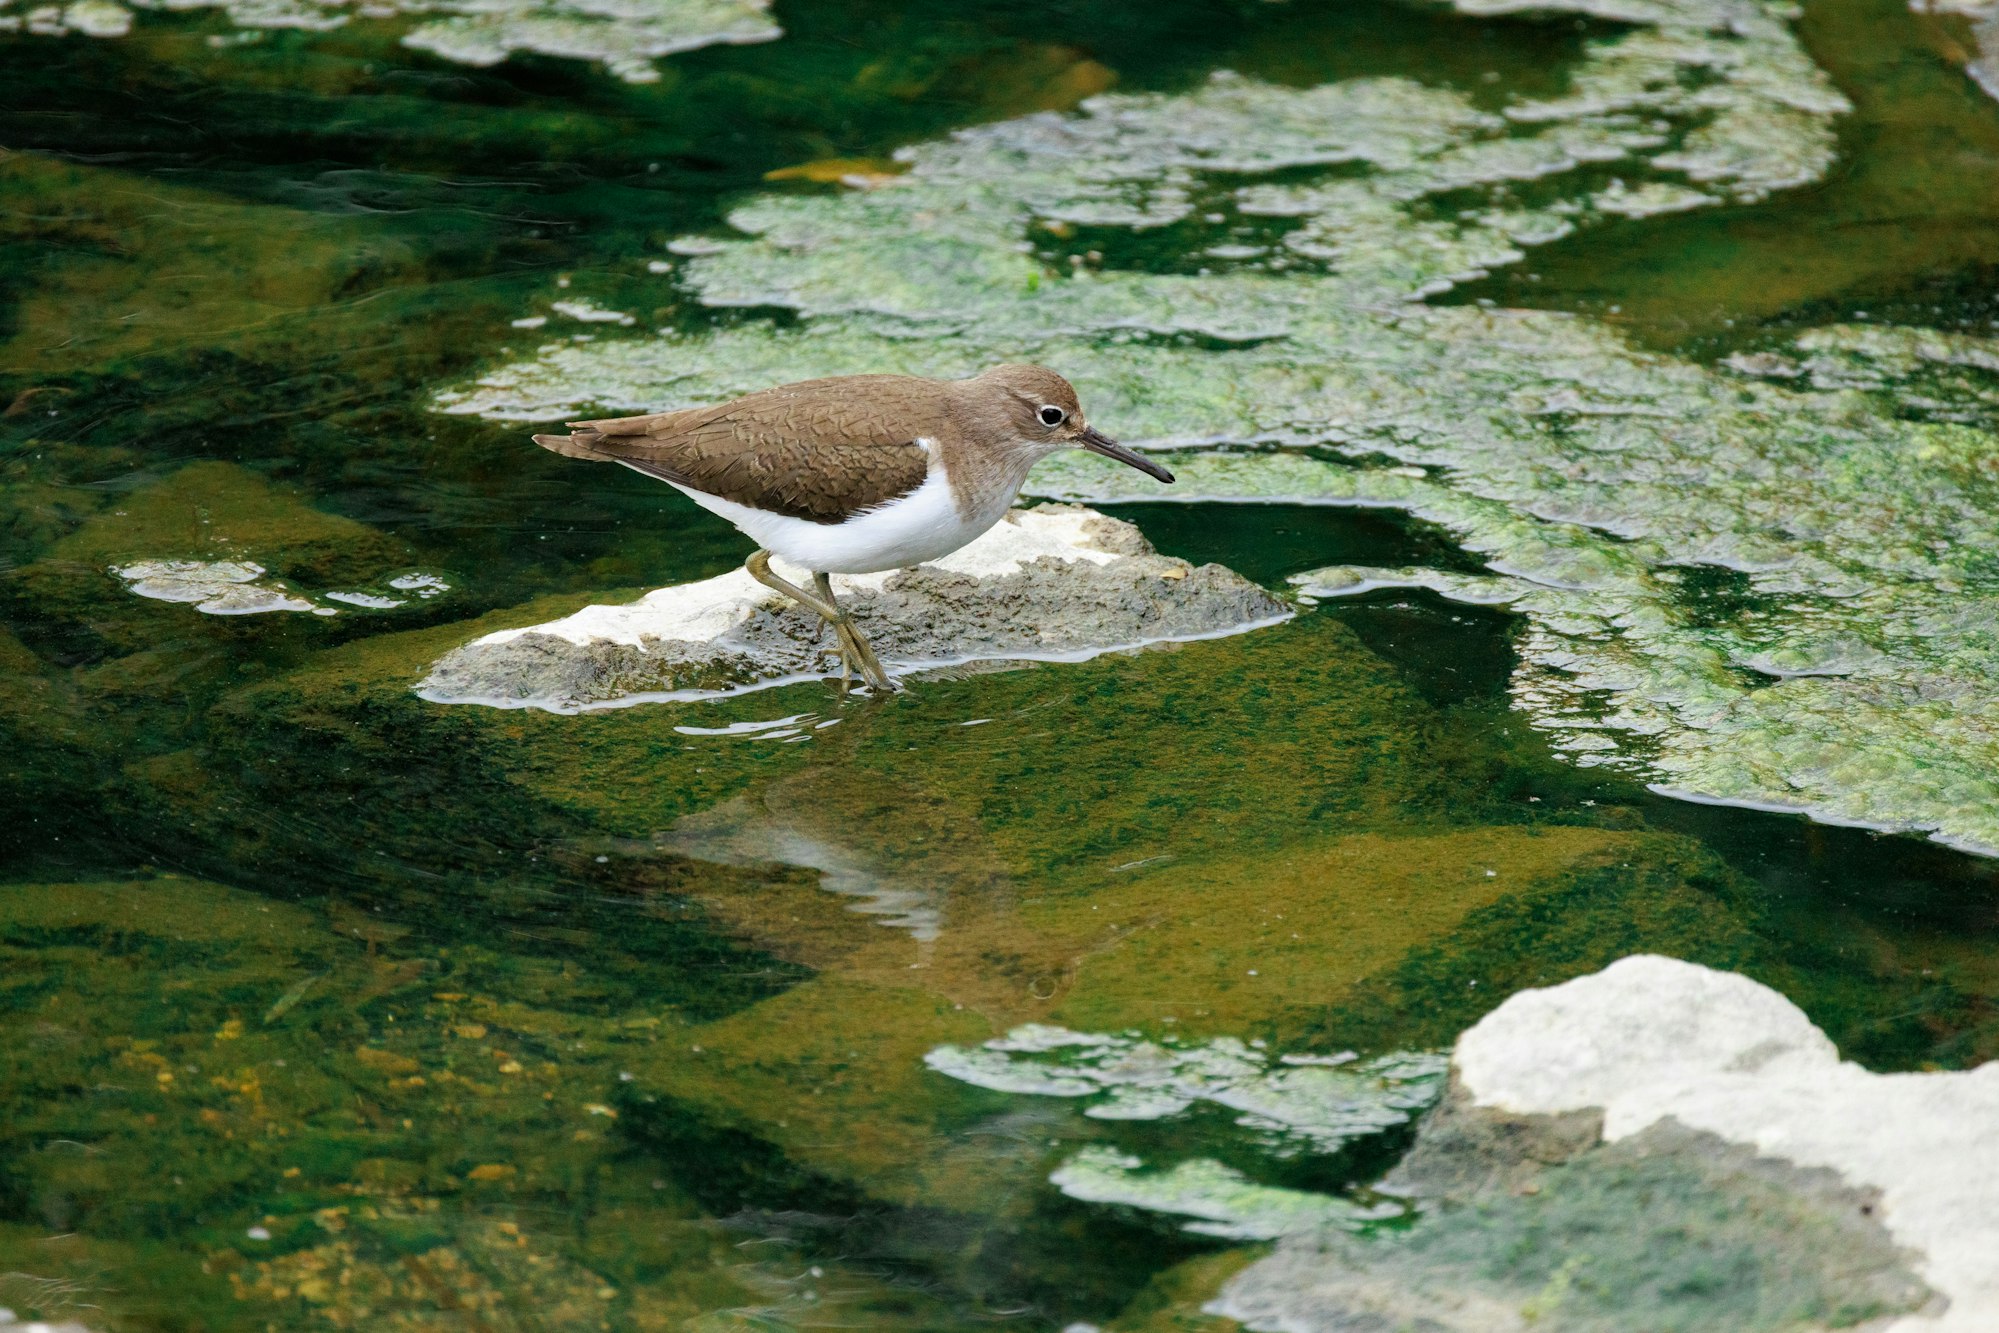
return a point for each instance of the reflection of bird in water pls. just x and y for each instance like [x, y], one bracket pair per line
[898, 853]
[857, 474]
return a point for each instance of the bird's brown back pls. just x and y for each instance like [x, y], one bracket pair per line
[817, 450]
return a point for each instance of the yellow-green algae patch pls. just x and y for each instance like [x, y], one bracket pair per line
[1148, 249]
[1172, 1302]
[149, 265]
[235, 1111]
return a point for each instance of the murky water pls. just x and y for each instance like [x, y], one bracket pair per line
[328, 1007]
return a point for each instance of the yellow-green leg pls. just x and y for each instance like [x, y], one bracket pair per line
[852, 645]
[854, 650]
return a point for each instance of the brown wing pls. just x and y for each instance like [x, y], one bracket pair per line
[818, 450]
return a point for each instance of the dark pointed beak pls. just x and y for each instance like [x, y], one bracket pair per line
[1098, 443]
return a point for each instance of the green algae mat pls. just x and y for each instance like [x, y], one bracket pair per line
[1610, 385]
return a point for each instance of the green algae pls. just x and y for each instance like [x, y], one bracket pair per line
[1304, 1103]
[625, 38]
[179, 264]
[1223, 1202]
[1587, 471]
[383, 1151]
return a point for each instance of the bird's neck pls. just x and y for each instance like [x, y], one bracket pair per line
[984, 481]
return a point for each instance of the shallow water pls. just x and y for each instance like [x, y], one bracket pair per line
[325, 1006]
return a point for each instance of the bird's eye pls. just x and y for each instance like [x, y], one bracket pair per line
[1052, 416]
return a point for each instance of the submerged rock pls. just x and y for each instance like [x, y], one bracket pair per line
[1665, 1145]
[220, 540]
[216, 587]
[1058, 583]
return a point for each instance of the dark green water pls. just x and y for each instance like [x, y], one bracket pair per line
[451, 1008]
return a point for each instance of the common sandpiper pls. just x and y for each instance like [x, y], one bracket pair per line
[856, 474]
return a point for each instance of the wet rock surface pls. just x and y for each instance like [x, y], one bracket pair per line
[1057, 583]
[1665, 1137]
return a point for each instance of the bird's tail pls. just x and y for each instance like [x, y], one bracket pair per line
[607, 440]
[582, 442]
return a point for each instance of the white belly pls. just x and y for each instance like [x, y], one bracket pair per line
[920, 526]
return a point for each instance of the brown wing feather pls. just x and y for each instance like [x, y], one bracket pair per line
[817, 450]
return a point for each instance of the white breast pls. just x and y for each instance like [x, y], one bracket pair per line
[916, 527]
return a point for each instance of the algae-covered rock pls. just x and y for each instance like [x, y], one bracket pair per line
[1056, 583]
[1664, 1140]
[184, 266]
[1674, 1230]
[221, 540]
[216, 511]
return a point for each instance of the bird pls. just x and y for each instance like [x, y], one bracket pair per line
[856, 474]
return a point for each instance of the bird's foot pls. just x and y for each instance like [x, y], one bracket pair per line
[854, 650]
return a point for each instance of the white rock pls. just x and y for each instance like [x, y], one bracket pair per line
[699, 612]
[1649, 1038]
[1054, 583]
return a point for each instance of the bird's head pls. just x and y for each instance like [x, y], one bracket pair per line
[1034, 408]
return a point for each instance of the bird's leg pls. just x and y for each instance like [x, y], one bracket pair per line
[851, 643]
[827, 609]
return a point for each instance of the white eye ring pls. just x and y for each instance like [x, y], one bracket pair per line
[1052, 415]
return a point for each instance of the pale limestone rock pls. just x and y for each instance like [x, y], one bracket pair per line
[1056, 583]
[1651, 1038]
[1661, 1145]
